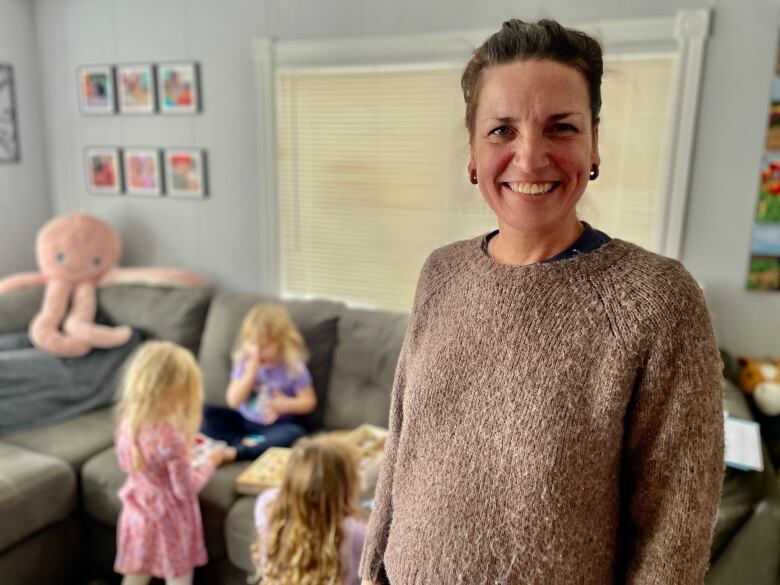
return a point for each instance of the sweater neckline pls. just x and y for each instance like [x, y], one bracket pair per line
[605, 257]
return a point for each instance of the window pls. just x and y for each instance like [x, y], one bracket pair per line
[366, 154]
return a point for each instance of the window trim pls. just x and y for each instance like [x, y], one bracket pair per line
[685, 34]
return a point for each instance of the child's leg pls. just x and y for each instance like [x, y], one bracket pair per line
[180, 580]
[136, 580]
[276, 435]
[223, 424]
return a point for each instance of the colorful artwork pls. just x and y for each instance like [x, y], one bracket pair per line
[136, 89]
[96, 89]
[142, 171]
[764, 270]
[178, 88]
[103, 170]
[185, 173]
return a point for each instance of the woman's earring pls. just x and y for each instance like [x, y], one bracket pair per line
[594, 172]
[473, 177]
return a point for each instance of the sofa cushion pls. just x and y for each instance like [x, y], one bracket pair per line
[742, 490]
[240, 533]
[36, 491]
[101, 480]
[17, 308]
[224, 321]
[364, 368]
[74, 440]
[164, 312]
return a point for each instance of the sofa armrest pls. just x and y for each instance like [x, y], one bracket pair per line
[751, 556]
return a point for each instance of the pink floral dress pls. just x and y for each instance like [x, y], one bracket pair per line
[159, 531]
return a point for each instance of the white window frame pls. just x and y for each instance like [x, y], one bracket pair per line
[683, 34]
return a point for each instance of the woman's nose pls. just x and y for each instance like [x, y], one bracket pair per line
[530, 152]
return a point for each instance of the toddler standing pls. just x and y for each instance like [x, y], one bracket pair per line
[308, 531]
[159, 533]
[269, 385]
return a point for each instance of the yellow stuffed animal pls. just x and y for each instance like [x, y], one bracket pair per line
[761, 380]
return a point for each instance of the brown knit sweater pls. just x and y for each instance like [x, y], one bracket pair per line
[558, 423]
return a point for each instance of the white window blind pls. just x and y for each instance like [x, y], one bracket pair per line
[372, 173]
[364, 152]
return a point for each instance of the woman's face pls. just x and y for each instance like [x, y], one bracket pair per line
[533, 144]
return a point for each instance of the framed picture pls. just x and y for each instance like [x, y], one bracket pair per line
[178, 88]
[185, 173]
[9, 134]
[135, 89]
[104, 172]
[142, 171]
[96, 89]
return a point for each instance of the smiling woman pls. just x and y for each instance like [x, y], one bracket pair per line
[556, 414]
[533, 148]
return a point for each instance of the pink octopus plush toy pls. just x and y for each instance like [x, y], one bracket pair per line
[76, 254]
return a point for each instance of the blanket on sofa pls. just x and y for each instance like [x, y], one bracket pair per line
[38, 389]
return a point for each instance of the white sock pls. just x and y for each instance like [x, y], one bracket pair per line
[136, 580]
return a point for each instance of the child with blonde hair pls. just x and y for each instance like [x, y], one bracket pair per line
[308, 531]
[269, 386]
[159, 533]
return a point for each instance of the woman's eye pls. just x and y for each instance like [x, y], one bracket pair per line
[500, 131]
[563, 128]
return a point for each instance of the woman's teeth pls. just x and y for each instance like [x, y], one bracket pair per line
[531, 188]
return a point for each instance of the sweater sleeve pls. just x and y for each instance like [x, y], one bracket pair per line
[378, 528]
[673, 447]
[382, 512]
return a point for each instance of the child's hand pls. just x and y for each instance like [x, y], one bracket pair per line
[252, 352]
[217, 456]
[276, 406]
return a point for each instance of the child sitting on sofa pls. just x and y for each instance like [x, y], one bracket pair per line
[307, 530]
[159, 533]
[269, 385]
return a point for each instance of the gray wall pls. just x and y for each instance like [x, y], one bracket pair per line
[219, 236]
[24, 195]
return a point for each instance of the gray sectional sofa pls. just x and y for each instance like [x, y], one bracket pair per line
[59, 483]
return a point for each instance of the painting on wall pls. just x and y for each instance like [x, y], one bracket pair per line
[142, 171]
[185, 173]
[96, 89]
[135, 87]
[178, 87]
[103, 168]
[764, 268]
[9, 133]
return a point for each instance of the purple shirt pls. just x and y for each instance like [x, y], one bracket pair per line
[351, 547]
[279, 377]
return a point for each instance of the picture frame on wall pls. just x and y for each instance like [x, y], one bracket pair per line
[136, 89]
[142, 171]
[185, 173]
[97, 93]
[103, 170]
[178, 88]
[9, 131]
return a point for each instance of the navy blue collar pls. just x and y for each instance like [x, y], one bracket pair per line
[591, 239]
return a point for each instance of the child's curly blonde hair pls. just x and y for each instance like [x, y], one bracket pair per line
[271, 321]
[305, 533]
[161, 385]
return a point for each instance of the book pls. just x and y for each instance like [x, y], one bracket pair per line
[743, 444]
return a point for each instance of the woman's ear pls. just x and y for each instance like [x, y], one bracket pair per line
[595, 157]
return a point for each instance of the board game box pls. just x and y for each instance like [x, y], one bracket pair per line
[268, 469]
